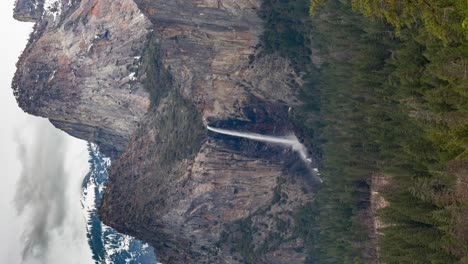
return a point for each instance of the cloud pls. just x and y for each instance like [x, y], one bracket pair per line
[41, 194]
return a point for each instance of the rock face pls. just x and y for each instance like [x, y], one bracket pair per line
[228, 201]
[77, 69]
[208, 46]
[28, 10]
[195, 197]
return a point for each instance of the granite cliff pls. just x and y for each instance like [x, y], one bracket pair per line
[77, 68]
[142, 79]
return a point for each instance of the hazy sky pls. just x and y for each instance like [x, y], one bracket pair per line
[42, 168]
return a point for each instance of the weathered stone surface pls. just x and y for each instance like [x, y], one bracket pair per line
[76, 70]
[230, 201]
[196, 197]
[27, 10]
[208, 46]
[233, 200]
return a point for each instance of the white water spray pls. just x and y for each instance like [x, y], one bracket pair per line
[290, 141]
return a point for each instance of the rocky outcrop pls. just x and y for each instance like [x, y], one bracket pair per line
[227, 200]
[28, 10]
[212, 199]
[197, 197]
[209, 45]
[77, 69]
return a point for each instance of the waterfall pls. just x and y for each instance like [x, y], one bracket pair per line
[289, 141]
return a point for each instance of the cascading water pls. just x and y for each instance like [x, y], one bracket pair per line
[289, 141]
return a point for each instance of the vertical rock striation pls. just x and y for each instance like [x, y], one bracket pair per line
[28, 10]
[225, 200]
[77, 68]
[92, 66]
[209, 48]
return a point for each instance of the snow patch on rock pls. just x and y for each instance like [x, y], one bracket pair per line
[107, 245]
[53, 8]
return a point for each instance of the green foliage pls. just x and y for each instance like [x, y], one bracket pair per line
[154, 76]
[330, 115]
[390, 97]
[444, 20]
[286, 24]
[356, 129]
[393, 100]
[181, 129]
[179, 124]
[314, 5]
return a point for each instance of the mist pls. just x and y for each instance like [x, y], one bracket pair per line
[289, 141]
[43, 198]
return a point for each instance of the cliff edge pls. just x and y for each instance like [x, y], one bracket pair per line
[142, 79]
[77, 68]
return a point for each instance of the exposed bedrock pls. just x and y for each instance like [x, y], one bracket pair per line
[27, 10]
[207, 199]
[143, 79]
[225, 199]
[209, 47]
[77, 69]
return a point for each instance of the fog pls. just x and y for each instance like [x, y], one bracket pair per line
[41, 219]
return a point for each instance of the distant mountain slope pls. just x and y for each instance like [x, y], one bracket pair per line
[107, 245]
